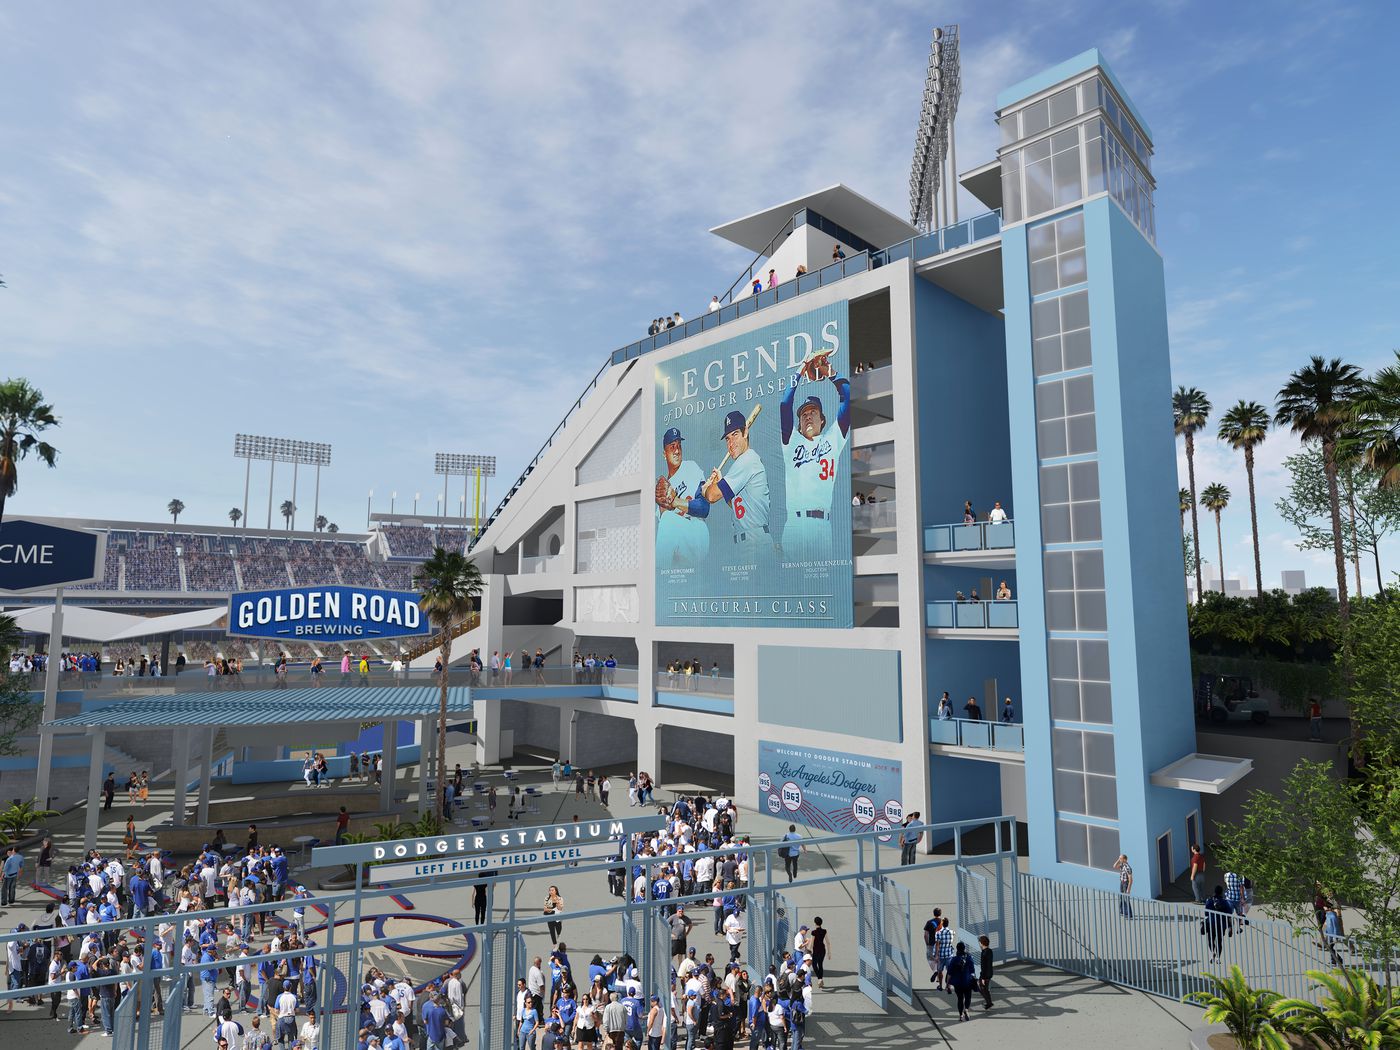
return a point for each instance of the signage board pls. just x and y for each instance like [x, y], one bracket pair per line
[830, 790]
[752, 461]
[38, 557]
[332, 613]
[440, 847]
[477, 863]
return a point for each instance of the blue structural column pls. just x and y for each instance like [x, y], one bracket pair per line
[1105, 664]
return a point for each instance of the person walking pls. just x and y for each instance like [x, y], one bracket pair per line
[1197, 873]
[14, 864]
[554, 906]
[962, 976]
[821, 948]
[984, 976]
[1125, 885]
[1217, 924]
[1314, 720]
[792, 852]
[943, 944]
[479, 903]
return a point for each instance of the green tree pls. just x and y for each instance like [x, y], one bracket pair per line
[332, 527]
[1215, 499]
[320, 523]
[235, 515]
[1319, 830]
[18, 711]
[1317, 403]
[1373, 692]
[1244, 427]
[24, 416]
[1307, 506]
[174, 508]
[10, 636]
[287, 509]
[448, 585]
[1190, 411]
[1247, 1013]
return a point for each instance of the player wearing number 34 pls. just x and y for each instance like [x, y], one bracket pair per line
[812, 453]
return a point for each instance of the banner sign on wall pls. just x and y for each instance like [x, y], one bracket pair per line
[329, 613]
[753, 478]
[830, 790]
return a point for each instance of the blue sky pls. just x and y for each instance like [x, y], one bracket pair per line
[404, 228]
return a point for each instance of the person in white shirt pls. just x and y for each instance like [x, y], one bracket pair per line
[714, 303]
[733, 934]
[310, 1032]
[231, 1032]
[285, 1010]
[535, 978]
[996, 515]
[379, 1011]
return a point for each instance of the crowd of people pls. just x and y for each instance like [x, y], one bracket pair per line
[661, 324]
[972, 710]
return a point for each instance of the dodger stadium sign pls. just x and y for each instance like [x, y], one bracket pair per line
[325, 612]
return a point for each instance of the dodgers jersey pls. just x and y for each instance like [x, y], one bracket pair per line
[745, 488]
[686, 481]
[810, 468]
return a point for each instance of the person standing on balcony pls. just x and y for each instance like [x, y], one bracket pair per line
[996, 515]
[837, 253]
[972, 711]
[1008, 713]
[969, 515]
[772, 278]
[1003, 592]
[945, 708]
[811, 457]
[714, 303]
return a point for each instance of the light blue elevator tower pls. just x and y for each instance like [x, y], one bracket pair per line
[1105, 667]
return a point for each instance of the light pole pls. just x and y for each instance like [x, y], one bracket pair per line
[298, 453]
[449, 464]
[369, 508]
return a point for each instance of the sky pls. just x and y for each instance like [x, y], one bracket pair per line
[404, 228]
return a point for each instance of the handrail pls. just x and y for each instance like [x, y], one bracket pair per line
[978, 733]
[787, 228]
[960, 536]
[957, 235]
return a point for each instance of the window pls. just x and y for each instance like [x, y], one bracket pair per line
[1056, 253]
[1074, 591]
[1085, 780]
[1086, 845]
[1079, 685]
[1069, 503]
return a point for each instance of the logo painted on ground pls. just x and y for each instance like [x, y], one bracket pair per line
[333, 612]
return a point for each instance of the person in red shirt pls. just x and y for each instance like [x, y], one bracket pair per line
[1314, 720]
[342, 825]
[1198, 874]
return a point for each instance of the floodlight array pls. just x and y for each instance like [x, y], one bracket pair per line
[282, 450]
[454, 463]
[942, 89]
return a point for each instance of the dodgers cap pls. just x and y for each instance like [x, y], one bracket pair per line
[812, 402]
[732, 422]
[671, 435]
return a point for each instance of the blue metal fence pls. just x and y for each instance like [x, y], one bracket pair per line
[979, 615]
[966, 732]
[970, 536]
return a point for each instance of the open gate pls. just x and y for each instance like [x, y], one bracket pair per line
[899, 942]
[870, 934]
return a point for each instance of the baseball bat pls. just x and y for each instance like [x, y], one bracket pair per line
[747, 423]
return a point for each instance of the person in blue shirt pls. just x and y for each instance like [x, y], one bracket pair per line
[435, 1023]
[636, 1016]
[140, 893]
[567, 1007]
[279, 873]
[909, 839]
[14, 864]
[758, 1020]
[1008, 713]
[529, 1019]
[308, 975]
[207, 976]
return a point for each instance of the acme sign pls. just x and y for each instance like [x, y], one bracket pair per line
[325, 612]
[34, 556]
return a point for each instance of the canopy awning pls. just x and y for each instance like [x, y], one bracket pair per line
[95, 625]
[1203, 774]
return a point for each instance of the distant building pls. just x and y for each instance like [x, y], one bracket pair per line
[1295, 581]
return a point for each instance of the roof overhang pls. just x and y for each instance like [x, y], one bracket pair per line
[838, 203]
[984, 183]
[1203, 774]
[96, 625]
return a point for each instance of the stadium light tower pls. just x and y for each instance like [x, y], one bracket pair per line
[298, 453]
[935, 161]
[449, 464]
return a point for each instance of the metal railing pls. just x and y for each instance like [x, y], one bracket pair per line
[970, 536]
[866, 517]
[968, 732]
[978, 615]
[703, 683]
[1164, 947]
[531, 566]
[958, 235]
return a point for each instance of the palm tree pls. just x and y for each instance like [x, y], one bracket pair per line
[287, 510]
[320, 522]
[24, 415]
[1377, 432]
[1190, 410]
[235, 515]
[1216, 498]
[332, 527]
[1244, 427]
[449, 585]
[175, 508]
[1184, 500]
[1317, 403]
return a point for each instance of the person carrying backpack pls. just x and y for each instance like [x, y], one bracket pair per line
[962, 976]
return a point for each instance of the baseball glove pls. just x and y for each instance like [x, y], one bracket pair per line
[818, 366]
[665, 494]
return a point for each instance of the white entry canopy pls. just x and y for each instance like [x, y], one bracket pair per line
[94, 625]
[1203, 774]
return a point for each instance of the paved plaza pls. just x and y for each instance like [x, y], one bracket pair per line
[1063, 1008]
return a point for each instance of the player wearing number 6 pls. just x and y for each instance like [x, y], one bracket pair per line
[744, 487]
[812, 453]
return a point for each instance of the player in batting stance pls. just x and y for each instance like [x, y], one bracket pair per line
[744, 485]
[681, 538]
[811, 456]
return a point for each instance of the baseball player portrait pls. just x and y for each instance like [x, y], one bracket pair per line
[682, 538]
[744, 486]
[812, 451]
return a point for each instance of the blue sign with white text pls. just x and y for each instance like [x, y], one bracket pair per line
[831, 790]
[35, 556]
[325, 613]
